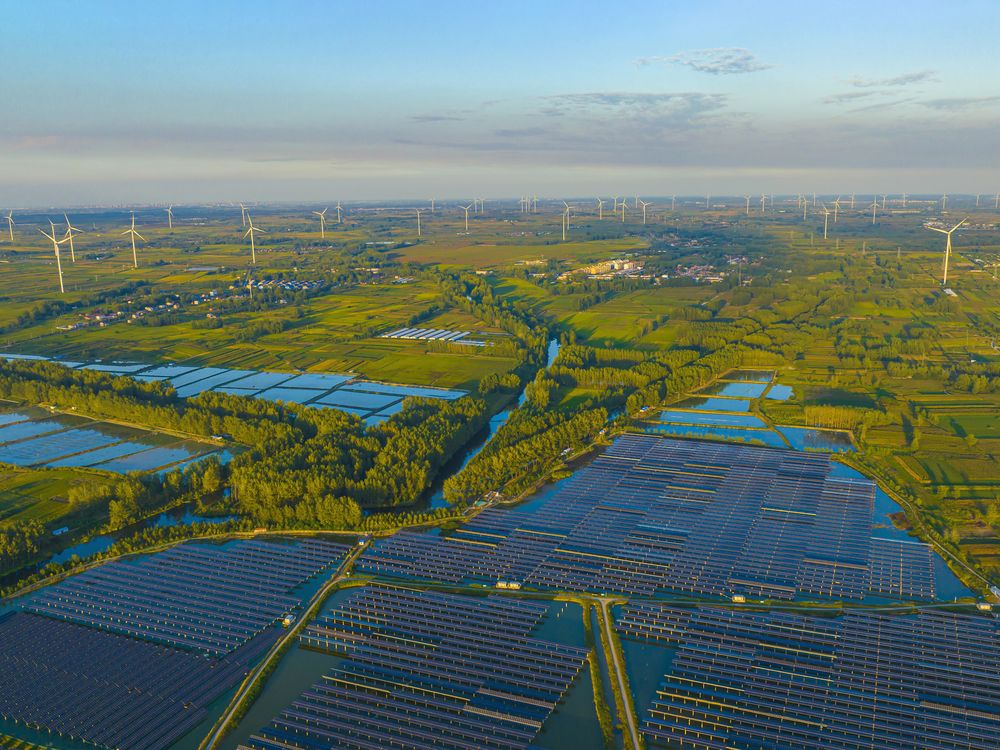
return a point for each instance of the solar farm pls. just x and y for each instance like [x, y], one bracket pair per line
[373, 402]
[862, 680]
[130, 654]
[31, 437]
[652, 516]
[433, 334]
[424, 670]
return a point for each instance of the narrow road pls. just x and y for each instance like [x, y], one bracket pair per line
[609, 642]
[218, 731]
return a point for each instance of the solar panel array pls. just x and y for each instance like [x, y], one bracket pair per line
[425, 670]
[207, 598]
[109, 690]
[322, 390]
[777, 680]
[657, 515]
[130, 654]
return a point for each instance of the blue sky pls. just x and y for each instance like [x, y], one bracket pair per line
[200, 101]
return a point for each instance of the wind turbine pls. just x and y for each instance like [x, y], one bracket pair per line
[600, 209]
[10, 224]
[466, 209]
[623, 210]
[996, 201]
[874, 209]
[763, 202]
[243, 214]
[133, 234]
[322, 222]
[852, 201]
[69, 236]
[708, 203]
[944, 202]
[947, 247]
[565, 222]
[55, 247]
[673, 202]
[432, 205]
[252, 232]
[747, 199]
[644, 204]
[826, 221]
[805, 209]
[567, 213]
[884, 196]
[905, 196]
[977, 200]
[419, 211]
[170, 218]
[836, 209]
[339, 220]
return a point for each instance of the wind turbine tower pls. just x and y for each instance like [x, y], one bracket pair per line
[55, 247]
[339, 209]
[644, 204]
[243, 214]
[466, 209]
[322, 222]
[947, 247]
[170, 218]
[747, 199]
[10, 225]
[252, 233]
[826, 221]
[133, 234]
[419, 211]
[70, 229]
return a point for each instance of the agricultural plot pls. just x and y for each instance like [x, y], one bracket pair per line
[655, 515]
[749, 679]
[423, 669]
[131, 654]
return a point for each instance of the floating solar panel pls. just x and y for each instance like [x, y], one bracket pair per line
[654, 515]
[261, 380]
[318, 380]
[291, 395]
[12, 417]
[424, 670]
[115, 368]
[402, 390]
[14, 431]
[206, 598]
[368, 401]
[45, 448]
[860, 681]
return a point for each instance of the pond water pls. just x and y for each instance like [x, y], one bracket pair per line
[735, 390]
[750, 376]
[807, 438]
[711, 403]
[720, 420]
[780, 392]
[733, 434]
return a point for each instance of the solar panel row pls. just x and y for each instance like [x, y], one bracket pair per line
[425, 670]
[653, 515]
[109, 690]
[862, 680]
[202, 597]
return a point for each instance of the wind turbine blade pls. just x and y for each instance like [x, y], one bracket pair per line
[960, 223]
[247, 234]
[140, 236]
